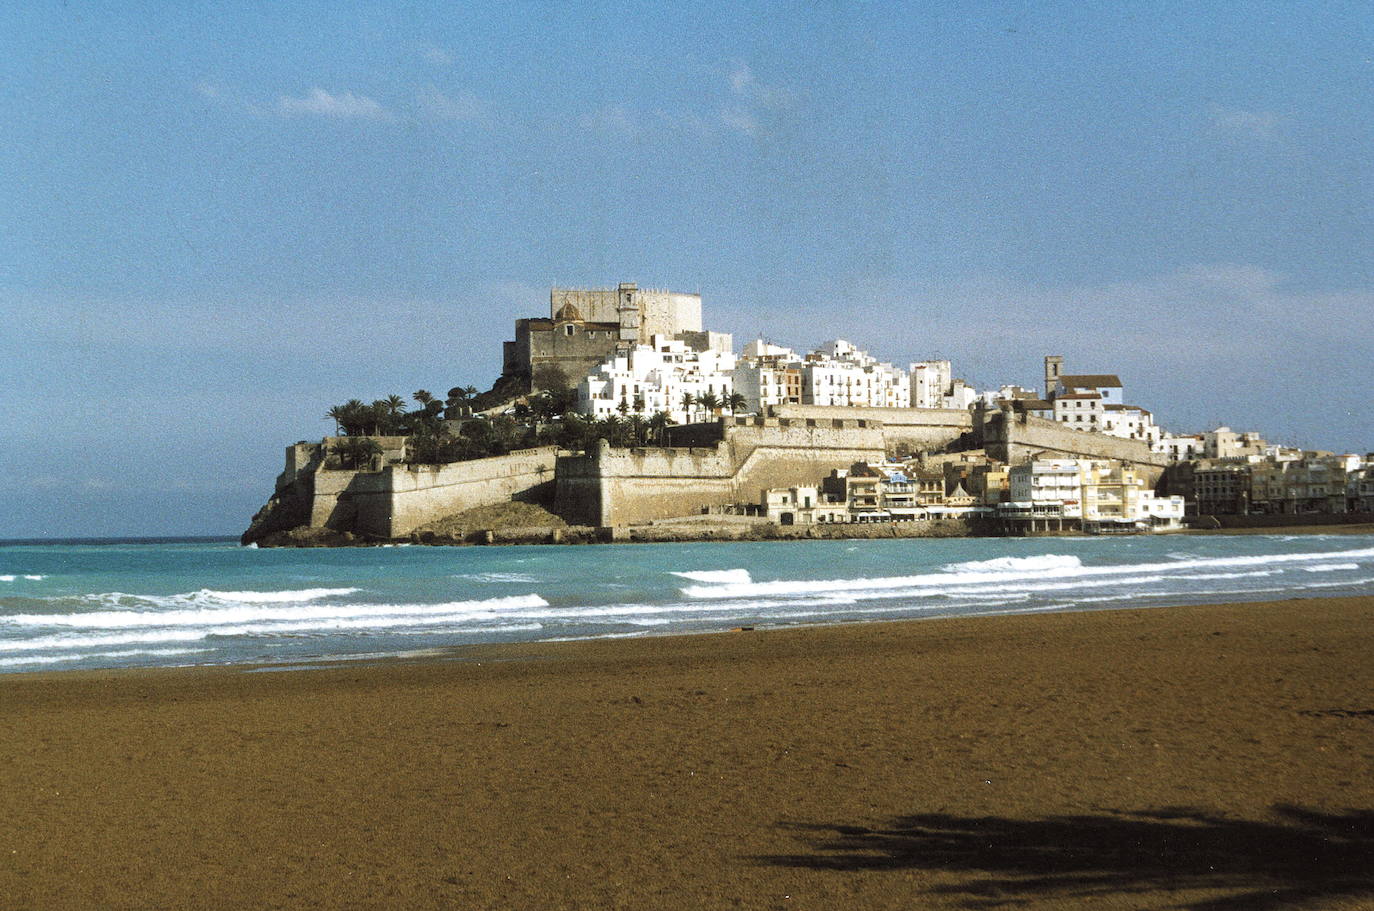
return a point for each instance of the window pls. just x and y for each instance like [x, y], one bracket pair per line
[568, 329]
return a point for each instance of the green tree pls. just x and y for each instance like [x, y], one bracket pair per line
[658, 426]
[356, 452]
[736, 402]
[336, 414]
[709, 402]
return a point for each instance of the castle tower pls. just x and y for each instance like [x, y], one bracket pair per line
[1054, 366]
[627, 311]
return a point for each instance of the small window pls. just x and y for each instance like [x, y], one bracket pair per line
[568, 329]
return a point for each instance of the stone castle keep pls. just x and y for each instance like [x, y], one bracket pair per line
[586, 327]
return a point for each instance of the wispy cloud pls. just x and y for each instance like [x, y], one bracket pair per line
[740, 106]
[614, 119]
[1242, 124]
[461, 106]
[436, 55]
[1205, 344]
[343, 106]
[753, 105]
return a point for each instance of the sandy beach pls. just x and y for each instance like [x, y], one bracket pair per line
[1214, 757]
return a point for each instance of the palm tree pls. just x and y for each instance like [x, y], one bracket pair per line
[658, 425]
[422, 396]
[708, 401]
[353, 417]
[637, 428]
[336, 414]
[688, 400]
[736, 401]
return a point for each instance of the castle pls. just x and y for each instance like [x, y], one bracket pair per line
[585, 328]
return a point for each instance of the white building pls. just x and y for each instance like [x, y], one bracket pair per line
[1225, 443]
[1104, 494]
[933, 386]
[1093, 401]
[835, 374]
[1048, 485]
[655, 377]
[1179, 447]
[768, 374]
[840, 374]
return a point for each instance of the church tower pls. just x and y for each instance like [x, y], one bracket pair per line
[1054, 366]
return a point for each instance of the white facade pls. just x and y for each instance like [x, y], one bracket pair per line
[1080, 410]
[1049, 482]
[930, 380]
[1101, 492]
[1131, 423]
[840, 374]
[1179, 448]
[933, 386]
[655, 377]
[1225, 443]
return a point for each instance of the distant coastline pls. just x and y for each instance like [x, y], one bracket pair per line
[131, 539]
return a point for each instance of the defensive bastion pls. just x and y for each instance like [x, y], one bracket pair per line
[609, 486]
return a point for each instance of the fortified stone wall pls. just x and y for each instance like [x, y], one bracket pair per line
[911, 428]
[626, 486]
[395, 501]
[1015, 438]
[421, 494]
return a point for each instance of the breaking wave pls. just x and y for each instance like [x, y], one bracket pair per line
[1061, 569]
[716, 575]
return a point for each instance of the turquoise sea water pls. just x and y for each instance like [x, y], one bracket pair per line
[83, 605]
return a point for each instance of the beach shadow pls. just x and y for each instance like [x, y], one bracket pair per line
[1300, 857]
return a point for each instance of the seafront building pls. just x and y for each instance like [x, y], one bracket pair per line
[1101, 495]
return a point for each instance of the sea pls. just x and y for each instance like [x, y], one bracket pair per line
[71, 605]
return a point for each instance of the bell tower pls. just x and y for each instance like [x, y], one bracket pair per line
[1054, 366]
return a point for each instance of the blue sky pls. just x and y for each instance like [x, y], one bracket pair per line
[216, 220]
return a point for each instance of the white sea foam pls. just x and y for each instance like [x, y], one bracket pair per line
[958, 576]
[83, 656]
[208, 597]
[249, 620]
[10, 577]
[523, 578]
[304, 594]
[213, 617]
[432, 622]
[1039, 563]
[1330, 567]
[737, 576]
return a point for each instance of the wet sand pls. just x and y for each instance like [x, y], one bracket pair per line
[1217, 757]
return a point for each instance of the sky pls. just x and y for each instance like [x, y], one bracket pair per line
[218, 220]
